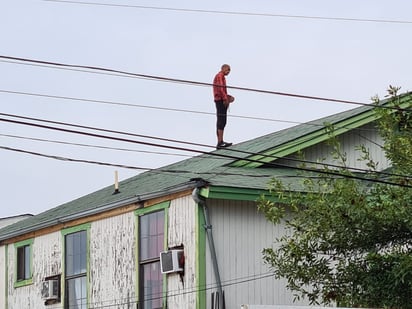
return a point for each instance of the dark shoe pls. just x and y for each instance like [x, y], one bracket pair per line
[223, 145]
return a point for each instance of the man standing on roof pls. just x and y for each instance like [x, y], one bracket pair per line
[222, 101]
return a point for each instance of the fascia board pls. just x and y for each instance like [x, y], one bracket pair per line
[233, 193]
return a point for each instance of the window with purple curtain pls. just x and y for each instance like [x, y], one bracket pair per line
[151, 243]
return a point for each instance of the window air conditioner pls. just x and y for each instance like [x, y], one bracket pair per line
[50, 289]
[171, 261]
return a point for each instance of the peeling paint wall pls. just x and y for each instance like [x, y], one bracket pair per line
[46, 258]
[113, 262]
[112, 265]
[181, 231]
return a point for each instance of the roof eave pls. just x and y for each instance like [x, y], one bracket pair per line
[193, 183]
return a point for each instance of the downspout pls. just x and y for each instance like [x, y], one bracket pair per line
[208, 227]
[6, 272]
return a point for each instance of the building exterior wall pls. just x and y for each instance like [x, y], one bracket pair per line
[366, 135]
[240, 233]
[182, 231]
[112, 262]
[112, 266]
[46, 261]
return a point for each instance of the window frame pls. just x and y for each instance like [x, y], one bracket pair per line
[18, 245]
[164, 206]
[86, 274]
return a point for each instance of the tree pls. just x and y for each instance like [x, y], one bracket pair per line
[348, 241]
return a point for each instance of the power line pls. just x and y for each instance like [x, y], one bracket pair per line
[93, 146]
[181, 81]
[73, 160]
[102, 130]
[176, 141]
[153, 170]
[176, 293]
[190, 143]
[217, 154]
[144, 106]
[170, 154]
[239, 13]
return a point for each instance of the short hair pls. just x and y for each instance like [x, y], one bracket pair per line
[225, 66]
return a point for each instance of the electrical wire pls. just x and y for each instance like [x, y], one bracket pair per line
[345, 19]
[172, 154]
[176, 293]
[181, 81]
[146, 106]
[329, 165]
[73, 160]
[314, 123]
[94, 146]
[217, 154]
[176, 173]
[95, 70]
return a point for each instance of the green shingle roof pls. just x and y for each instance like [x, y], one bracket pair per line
[218, 168]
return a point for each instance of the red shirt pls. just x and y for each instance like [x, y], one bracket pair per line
[219, 87]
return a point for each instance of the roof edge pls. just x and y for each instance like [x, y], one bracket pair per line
[367, 114]
[191, 184]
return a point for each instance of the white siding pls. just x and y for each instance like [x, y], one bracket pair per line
[46, 262]
[112, 279]
[182, 231]
[2, 276]
[366, 135]
[240, 234]
[113, 262]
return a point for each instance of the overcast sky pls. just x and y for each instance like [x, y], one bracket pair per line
[352, 53]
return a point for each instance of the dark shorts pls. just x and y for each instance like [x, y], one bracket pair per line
[221, 113]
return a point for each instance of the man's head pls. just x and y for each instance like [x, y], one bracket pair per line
[225, 69]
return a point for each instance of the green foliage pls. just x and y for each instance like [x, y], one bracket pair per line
[349, 242]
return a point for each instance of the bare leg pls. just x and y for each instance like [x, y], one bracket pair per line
[219, 136]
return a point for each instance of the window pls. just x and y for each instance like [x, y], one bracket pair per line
[76, 270]
[23, 262]
[151, 243]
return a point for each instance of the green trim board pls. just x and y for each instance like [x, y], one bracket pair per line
[77, 228]
[6, 275]
[165, 247]
[83, 227]
[232, 193]
[318, 136]
[307, 140]
[140, 212]
[153, 208]
[17, 245]
[200, 268]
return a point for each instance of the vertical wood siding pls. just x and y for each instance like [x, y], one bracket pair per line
[113, 262]
[240, 234]
[181, 231]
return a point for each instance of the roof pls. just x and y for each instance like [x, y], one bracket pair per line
[233, 168]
